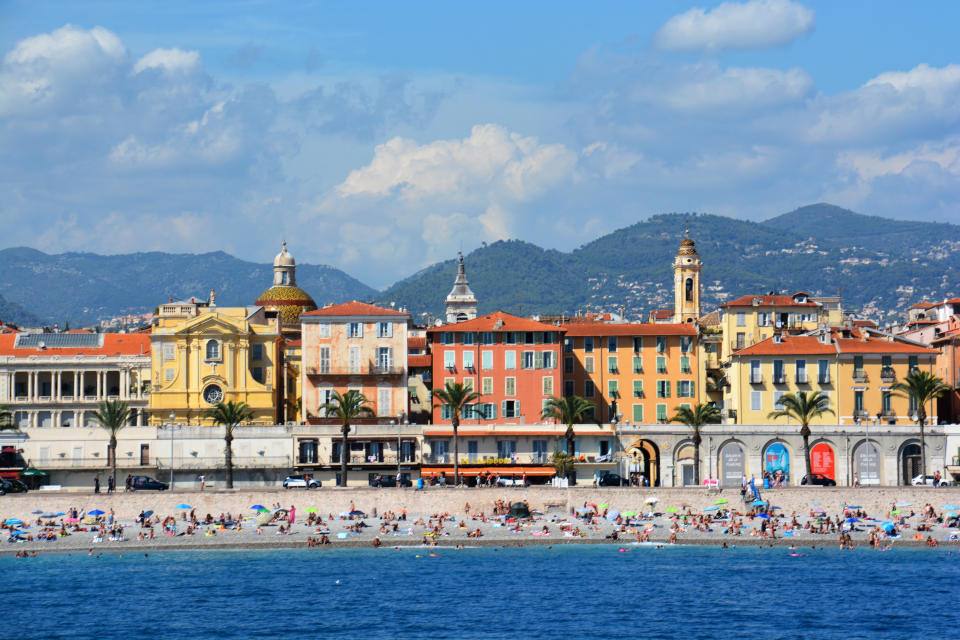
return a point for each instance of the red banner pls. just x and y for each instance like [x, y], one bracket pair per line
[821, 460]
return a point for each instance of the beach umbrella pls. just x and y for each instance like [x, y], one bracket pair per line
[13, 521]
[591, 504]
[628, 514]
[148, 513]
[853, 506]
[950, 507]
[651, 500]
[765, 516]
[612, 514]
[904, 504]
[887, 526]
[671, 509]
[721, 501]
[895, 511]
[851, 520]
[357, 512]
[49, 515]
[818, 511]
[257, 507]
[584, 510]
[759, 503]
[711, 508]
[95, 512]
[310, 510]
[36, 512]
[814, 503]
[263, 510]
[776, 508]
[603, 505]
[179, 506]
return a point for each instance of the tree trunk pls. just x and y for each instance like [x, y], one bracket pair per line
[344, 454]
[805, 432]
[696, 458]
[923, 450]
[571, 446]
[228, 455]
[456, 449]
[113, 459]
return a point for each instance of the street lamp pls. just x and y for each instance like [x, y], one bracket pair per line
[399, 421]
[173, 416]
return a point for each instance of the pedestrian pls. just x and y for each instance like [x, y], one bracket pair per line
[293, 514]
[936, 478]
[96, 484]
[129, 484]
[856, 480]
[203, 481]
[111, 484]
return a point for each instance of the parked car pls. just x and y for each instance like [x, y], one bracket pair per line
[818, 479]
[146, 483]
[301, 482]
[927, 481]
[380, 480]
[611, 479]
[11, 485]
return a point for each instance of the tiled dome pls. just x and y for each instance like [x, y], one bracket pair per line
[288, 300]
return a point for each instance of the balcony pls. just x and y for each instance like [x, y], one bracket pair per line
[860, 414]
[859, 375]
[780, 378]
[887, 375]
[371, 369]
[823, 378]
[802, 377]
[756, 378]
[388, 459]
[888, 415]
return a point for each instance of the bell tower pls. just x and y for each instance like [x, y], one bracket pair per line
[686, 282]
[461, 304]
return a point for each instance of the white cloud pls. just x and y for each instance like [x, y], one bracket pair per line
[170, 61]
[707, 86]
[869, 165]
[732, 25]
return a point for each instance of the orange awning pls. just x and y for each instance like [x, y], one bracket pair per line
[503, 471]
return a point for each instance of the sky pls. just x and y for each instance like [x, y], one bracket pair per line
[382, 137]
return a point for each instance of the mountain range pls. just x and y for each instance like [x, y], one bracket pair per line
[878, 265]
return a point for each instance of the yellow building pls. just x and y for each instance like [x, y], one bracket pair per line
[749, 320]
[855, 368]
[202, 354]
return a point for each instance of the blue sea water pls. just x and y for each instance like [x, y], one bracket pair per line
[572, 591]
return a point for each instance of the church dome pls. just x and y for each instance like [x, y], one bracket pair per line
[687, 247]
[284, 259]
[290, 301]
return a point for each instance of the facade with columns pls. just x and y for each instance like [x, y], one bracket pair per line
[57, 380]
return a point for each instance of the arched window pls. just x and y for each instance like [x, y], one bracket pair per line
[213, 350]
[689, 289]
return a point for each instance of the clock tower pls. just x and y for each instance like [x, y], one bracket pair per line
[686, 282]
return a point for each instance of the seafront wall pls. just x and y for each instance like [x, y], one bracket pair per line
[875, 500]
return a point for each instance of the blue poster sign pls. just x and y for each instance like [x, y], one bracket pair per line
[777, 458]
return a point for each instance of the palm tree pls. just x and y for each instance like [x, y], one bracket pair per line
[568, 410]
[113, 415]
[6, 419]
[803, 408]
[921, 387]
[346, 407]
[562, 462]
[703, 413]
[455, 396]
[230, 415]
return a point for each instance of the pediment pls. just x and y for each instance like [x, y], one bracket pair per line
[211, 325]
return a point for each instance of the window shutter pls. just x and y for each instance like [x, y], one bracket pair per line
[503, 407]
[693, 389]
[516, 408]
[538, 360]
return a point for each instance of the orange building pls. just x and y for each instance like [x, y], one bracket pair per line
[635, 373]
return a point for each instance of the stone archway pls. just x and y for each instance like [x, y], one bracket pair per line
[645, 460]
[910, 462]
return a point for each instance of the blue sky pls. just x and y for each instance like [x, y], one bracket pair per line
[380, 137]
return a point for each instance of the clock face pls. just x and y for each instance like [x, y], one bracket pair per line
[213, 394]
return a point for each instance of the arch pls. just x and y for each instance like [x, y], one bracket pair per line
[688, 289]
[910, 461]
[732, 463]
[777, 459]
[645, 461]
[213, 350]
[462, 317]
[866, 460]
[684, 464]
[823, 458]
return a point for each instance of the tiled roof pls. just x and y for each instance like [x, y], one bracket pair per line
[768, 301]
[354, 308]
[497, 321]
[662, 314]
[878, 345]
[789, 345]
[923, 305]
[639, 329]
[114, 344]
[417, 343]
[294, 343]
[419, 360]
[711, 319]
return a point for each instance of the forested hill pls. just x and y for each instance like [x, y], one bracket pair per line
[82, 288]
[880, 266]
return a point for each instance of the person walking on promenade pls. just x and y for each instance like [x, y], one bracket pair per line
[128, 486]
[110, 485]
[96, 484]
[203, 481]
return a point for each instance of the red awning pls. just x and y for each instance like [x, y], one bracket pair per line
[503, 471]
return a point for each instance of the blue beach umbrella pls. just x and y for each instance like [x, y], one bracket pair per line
[759, 503]
[852, 506]
[95, 512]
[612, 514]
[714, 508]
[13, 521]
[903, 504]
[764, 516]
[950, 507]
[851, 520]
[887, 526]
[257, 507]
[183, 506]
[36, 512]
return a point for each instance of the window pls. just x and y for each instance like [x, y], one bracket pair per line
[447, 381]
[886, 362]
[858, 401]
[661, 413]
[588, 344]
[488, 411]
[169, 351]
[823, 371]
[568, 388]
[885, 403]
[445, 412]
[529, 338]
[638, 364]
[549, 337]
[588, 364]
[324, 360]
[776, 400]
[258, 352]
[355, 330]
[168, 374]
[638, 388]
[826, 394]
[613, 389]
[638, 413]
[801, 371]
[468, 384]
[384, 357]
[756, 401]
[588, 389]
[511, 408]
[539, 450]
[741, 319]
[686, 342]
[858, 367]
[637, 344]
[548, 385]
[473, 447]
[741, 340]
[661, 344]
[568, 345]
[449, 359]
[323, 330]
[663, 388]
[913, 404]
[686, 388]
[468, 337]
[384, 402]
[384, 329]
[612, 343]
[568, 364]
[213, 350]
[447, 337]
[487, 337]
[763, 319]
[684, 364]
[510, 337]
[468, 359]
[661, 364]
[913, 363]
[354, 359]
[548, 359]
[612, 366]
[506, 448]
[527, 360]
[778, 377]
[755, 372]
[510, 387]
[486, 386]
[486, 360]
[509, 359]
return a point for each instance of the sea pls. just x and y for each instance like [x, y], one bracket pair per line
[568, 591]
